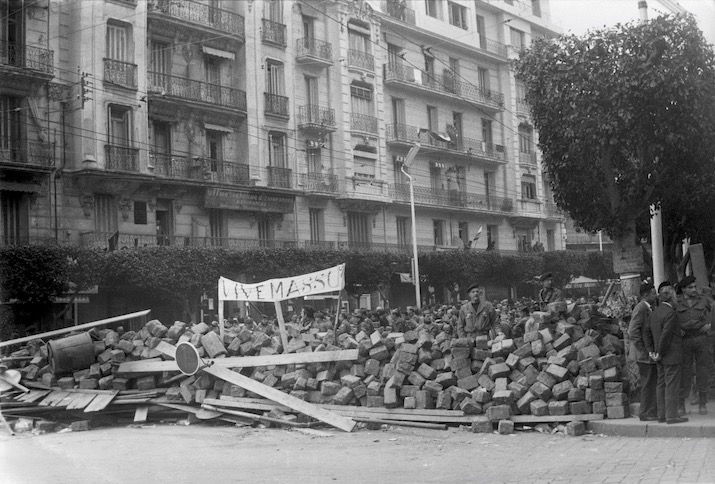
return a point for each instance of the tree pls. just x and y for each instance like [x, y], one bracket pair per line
[626, 118]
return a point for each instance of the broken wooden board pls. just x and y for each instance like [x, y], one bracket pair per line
[556, 418]
[155, 365]
[53, 397]
[271, 393]
[141, 413]
[100, 402]
[81, 401]
[32, 396]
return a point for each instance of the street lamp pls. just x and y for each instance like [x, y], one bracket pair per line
[416, 271]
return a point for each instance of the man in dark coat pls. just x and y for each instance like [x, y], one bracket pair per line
[695, 315]
[548, 293]
[647, 368]
[477, 317]
[664, 341]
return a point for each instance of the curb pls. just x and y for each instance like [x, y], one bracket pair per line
[632, 427]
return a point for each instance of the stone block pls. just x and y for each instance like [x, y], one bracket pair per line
[470, 407]
[581, 407]
[591, 351]
[343, 396]
[613, 387]
[432, 387]
[482, 426]
[559, 373]
[379, 352]
[444, 400]
[416, 379]
[79, 426]
[446, 379]
[539, 408]
[498, 412]
[503, 397]
[562, 342]
[616, 412]
[611, 374]
[481, 342]
[390, 399]
[408, 390]
[329, 388]
[546, 379]
[423, 400]
[375, 401]
[427, 371]
[471, 382]
[460, 353]
[505, 427]
[537, 348]
[481, 395]
[576, 394]
[518, 389]
[557, 408]
[595, 395]
[524, 403]
[486, 382]
[512, 360]
[499, 370]
[616, 399]
[575, 429]
[540, 390]
[595, 382]
[409, 402]
[599, 407]
[561, 390]
[607, 361]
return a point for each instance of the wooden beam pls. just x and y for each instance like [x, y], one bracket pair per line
[155, 365]
[555, 418]
[100, 322]
[282, 325]
[271, 393]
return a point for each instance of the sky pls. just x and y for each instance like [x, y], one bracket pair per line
[577, 16]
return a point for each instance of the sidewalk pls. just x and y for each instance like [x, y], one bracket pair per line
[697, 426]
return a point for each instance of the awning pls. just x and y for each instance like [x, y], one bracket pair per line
[218, 53]
[218, 127]
[20, 187]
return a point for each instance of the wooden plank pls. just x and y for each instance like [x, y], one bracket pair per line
[556, 418]
[87, 390]
[152, 366]
[65, 401]
[141, 413]
[281, 325]
[32, 396]
[55, 395]
[79, 327]
[271, 393]
[81, 401]
[100, 402]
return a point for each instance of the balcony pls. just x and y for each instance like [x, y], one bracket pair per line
[276, 105]
[39, 154]
[314, 51]
[529, 206]
[398, 10]
[361, 60]
[138, 241]
[201, 14]
[471, 148]
[527, 158]
[279, 177]
[219, 171]
[400, 192]
[494, 47]
[363, 123]
[27, 57]
[444, 85]
[120, 73]
[273, 33]
[316, 118]
[318, 182]
[168, 86]
[169, 166]
[122, 158]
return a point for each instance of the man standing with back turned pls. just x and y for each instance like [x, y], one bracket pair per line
[664, 341]
[646, 366]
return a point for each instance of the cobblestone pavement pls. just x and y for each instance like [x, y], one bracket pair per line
[218, 454]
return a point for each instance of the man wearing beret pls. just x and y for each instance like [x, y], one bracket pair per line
[548, 293]
[695, 315]
[477, 317]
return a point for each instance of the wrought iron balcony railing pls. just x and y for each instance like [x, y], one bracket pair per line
[279, 177]
[27, 57]
[445, 84]
[138, 241]
[220, 171]
[319, 182]
[120, 73]
[454, 198]
[360, 59]
[527, 158]
[363, 122]
[312, 115]
[167, 165]
[122, 158]
[274, 33]
[465, 146]
[494, 47]
[309, 48]
[36, 153]
[276, 104]
[197, 91]
[203, 14]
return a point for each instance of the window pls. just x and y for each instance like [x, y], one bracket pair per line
[105, 214]
[361, 100]
[266, 232]
[364, 167]
[212, 70]
[140, 213]
[528, 187]
[518, 38]
[432, 8]
[487, 132]
[15, 218]
[10, 129]
[488, 183]
[483, 79]
[274, 78]
[217, 227]
[435, 176]
[313, 160]
[316, 224]
[536, 8]
[403, 237]
[492, 237]
[393, 55]
[120, 128]
[438, 230]
[463, 232]
[482, 31]
[457, 127]
[526, 138]
[118, 47]
[458, 15]
[432, 119]
[429, 65]
[277, 149]
[214, 147]
[308, 28]
[398, 113]
[359, 41]
[359, 230]
[523, 240]
[160, 60]
[274, 11]
[312, 96]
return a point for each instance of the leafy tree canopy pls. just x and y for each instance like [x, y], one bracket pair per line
[626, 118]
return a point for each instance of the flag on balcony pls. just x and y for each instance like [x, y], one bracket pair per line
[444, 137]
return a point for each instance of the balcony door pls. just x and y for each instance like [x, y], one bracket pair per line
[312, 99]
[308, 29]
[217, 227]
[11, 30]
[212, 75]
[160, 69]
[164, 221]
[161, 148]
[398, 119]
[214, 146]
[105, 215]
[274, 11]
[359, 230]
[15, 218]
[10, 132]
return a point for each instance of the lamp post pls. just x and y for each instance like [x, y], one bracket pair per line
[416, 270]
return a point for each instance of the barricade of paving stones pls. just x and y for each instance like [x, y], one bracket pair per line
[571, 365]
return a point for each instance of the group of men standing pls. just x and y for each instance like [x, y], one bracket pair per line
[668, 339]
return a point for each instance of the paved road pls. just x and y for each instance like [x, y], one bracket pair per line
[222, 454]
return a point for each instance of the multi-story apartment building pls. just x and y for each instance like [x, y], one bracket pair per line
[270, 123]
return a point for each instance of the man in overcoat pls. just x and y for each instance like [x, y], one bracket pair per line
[647, 368]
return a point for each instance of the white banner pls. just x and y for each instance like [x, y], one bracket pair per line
[327, 280]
